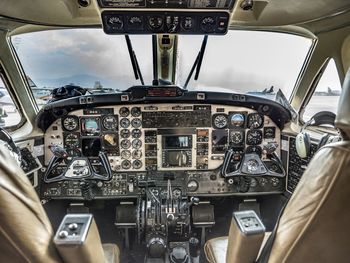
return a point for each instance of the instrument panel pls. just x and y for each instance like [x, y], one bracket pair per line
[161, 137]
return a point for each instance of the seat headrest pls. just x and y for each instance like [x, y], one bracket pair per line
[342, 121]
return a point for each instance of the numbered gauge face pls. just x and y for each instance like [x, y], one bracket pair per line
[254, 137]
[237, 120]
[71, 123]
[136, 144]
[125, 154]
[255, 121]
[237, 137]
[72, 153]
[72, 141]
[136, 154]
[220, 121]
[126, 164]
[136, 164]
[136, 123]
[125, 144]
[124, 123]
[110, 123]
[124, 112]
[136, 133]
[125, 133]
[254, 149]
[135, 111]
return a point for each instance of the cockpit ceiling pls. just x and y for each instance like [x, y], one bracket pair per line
[265, 13]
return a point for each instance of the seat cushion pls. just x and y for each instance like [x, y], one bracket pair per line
[111, 252]
[215, 249]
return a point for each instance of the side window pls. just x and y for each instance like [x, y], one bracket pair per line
[327, 93]
[9, 114]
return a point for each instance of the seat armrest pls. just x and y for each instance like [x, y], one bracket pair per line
[77, 239]
[245, 237]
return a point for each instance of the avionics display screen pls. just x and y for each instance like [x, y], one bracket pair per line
[177, 159]
[90, 126]
[91, 146]
[177, 142]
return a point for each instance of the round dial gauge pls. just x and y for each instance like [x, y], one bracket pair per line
[71, 140]
[254, 137]
[136, 133]
[192, 185]
[136, 144]
[136, 164]
[73, 153]
[177, 193]
[124, 123]
[254, 149]
[136, 123]
[255, 121]
[136, 154]
[220, 121]
[237, 120]
[110, 122]
[236, 137]
[125, 133]
[124, 112]
[155, 22]
[125, 154]
[274, 181]
[135, 111]
[125, 144]
[71, 123]
[126, 164]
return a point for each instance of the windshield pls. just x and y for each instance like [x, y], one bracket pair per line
[250, 62]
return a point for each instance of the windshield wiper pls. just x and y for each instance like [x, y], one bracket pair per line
[198, 62]
[134, 62]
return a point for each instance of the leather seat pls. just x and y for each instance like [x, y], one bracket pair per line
[314, 226]
[26, 234]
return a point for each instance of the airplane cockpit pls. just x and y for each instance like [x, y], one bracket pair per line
[180, 131]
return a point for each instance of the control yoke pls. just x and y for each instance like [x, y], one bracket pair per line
[79, 168]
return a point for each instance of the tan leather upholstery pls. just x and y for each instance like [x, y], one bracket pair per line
[314, 225]
[216, 249]
[26, 234]
[25, 231]
[342, 120]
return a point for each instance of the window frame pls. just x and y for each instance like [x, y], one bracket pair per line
[10, 90]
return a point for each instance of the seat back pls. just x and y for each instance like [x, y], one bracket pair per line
[26, 234]
[314, 224]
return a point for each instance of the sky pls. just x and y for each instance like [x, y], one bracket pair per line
[241, 61]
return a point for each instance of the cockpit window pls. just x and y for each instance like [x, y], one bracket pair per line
[85, 57]
[252, 62]
[10, 116]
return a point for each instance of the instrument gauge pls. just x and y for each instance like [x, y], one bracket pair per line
[274, 181]
[73, 153]
[136, 164]
[125, 133]
[220, 121]
[252, 166]
[125, 154]
[136, 154]
[126, 164]
[237, 137]
[124, 112]
[192, 185]
[136, 144]
[125, 144]
[71, 140]
[255, 121]
[155, 22]
[254, 137]
[254, 149]
[110, 122]
[71, 123]
[237, 120]
[124, 123]
[136, 123]
[177, 193]
[136, 111]
[136, 133]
